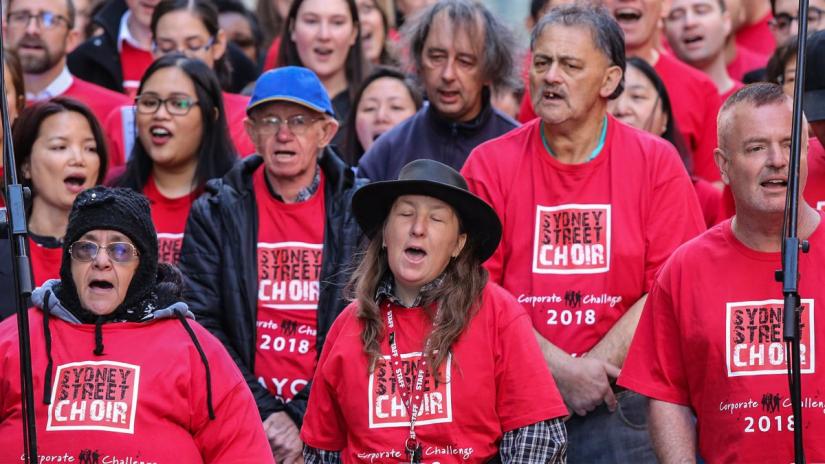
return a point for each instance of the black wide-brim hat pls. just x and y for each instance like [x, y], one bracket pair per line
[371, 204]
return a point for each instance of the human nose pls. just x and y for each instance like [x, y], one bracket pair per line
[383, 114]
[448, 71]
[33, 24]
[102, 259]
[551, 75]
[778, 156]
[324, 30]
[418, 226]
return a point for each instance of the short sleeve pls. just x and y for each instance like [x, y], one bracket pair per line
[324, 426]
[526, 392]
[654, 366]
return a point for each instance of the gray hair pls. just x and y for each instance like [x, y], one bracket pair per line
[499, 59]
[757, 95]
[607, 35]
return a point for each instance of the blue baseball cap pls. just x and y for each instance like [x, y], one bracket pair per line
[291, 84]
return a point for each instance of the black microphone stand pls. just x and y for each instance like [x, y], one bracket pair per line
[15, 196]
[791, 245]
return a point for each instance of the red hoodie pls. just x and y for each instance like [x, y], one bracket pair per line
[144, 400]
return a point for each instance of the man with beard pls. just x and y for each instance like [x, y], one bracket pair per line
[590, 208]
[41, 32]
[693, 95]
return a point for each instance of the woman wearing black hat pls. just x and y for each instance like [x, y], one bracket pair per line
[119, 372]
[431, 363]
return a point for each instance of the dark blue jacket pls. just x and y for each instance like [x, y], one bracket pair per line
[429, 135]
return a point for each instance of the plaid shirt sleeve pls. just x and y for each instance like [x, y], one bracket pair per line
[319, 456]
[542, 442]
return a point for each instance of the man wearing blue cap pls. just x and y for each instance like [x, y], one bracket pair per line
[267, 248]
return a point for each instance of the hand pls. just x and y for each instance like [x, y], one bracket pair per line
[284, 439]
[584, 384]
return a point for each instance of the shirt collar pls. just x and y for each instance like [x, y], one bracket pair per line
[124, 34]
[56, 88]
[386, 289]
[305, 193]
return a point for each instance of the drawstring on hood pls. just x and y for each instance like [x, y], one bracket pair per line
[191, 333]
[99, 335]
[47, 300]
[47, 334]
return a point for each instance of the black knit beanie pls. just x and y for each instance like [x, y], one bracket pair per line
[123, 210]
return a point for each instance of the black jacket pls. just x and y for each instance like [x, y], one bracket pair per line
[429, 135]
[219, 263]
[97, 60]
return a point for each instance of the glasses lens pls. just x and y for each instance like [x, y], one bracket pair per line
[148, 103]
[121, 252]
[297, 124]
[178, 105]
[83, 251]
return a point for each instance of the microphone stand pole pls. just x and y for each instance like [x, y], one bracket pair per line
[791, 245]
[21, 267]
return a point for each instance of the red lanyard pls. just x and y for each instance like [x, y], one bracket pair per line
[412, 399]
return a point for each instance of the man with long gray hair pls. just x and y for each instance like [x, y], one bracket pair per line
[590, 209]
[459, 51]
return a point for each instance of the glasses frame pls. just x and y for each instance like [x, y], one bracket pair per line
[165, 103]
[23, 19]
[775, 21]
[135, 253]
[268, 131]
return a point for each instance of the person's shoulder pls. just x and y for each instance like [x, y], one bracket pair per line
[515, 138]
[91, 90]
[695, 254]
[501, 304]
[640, 145]
[503, 121]
[671, 69]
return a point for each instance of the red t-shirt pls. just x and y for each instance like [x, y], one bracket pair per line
[745, 61]
[581, 243]
[271, 58]
[99, 99]
[133, 62]
[814, 192]
[718, 349]
[709, 199]
[235, 107]
[736, 86]
[143, 401]
[494, 381]
[695, 101]
[757, 37]
[45, 262]
[169, 216]
[290, 248]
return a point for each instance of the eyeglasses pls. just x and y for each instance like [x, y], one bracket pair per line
[44, 19]
[167, 47]
[178, 105]
[119, 252]
[297, 124]
[783, 21]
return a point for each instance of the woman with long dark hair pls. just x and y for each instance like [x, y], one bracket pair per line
[182, 142]
[59, 152]
[386, 97]
[645, 104]
[430, 362]
[325, 36]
